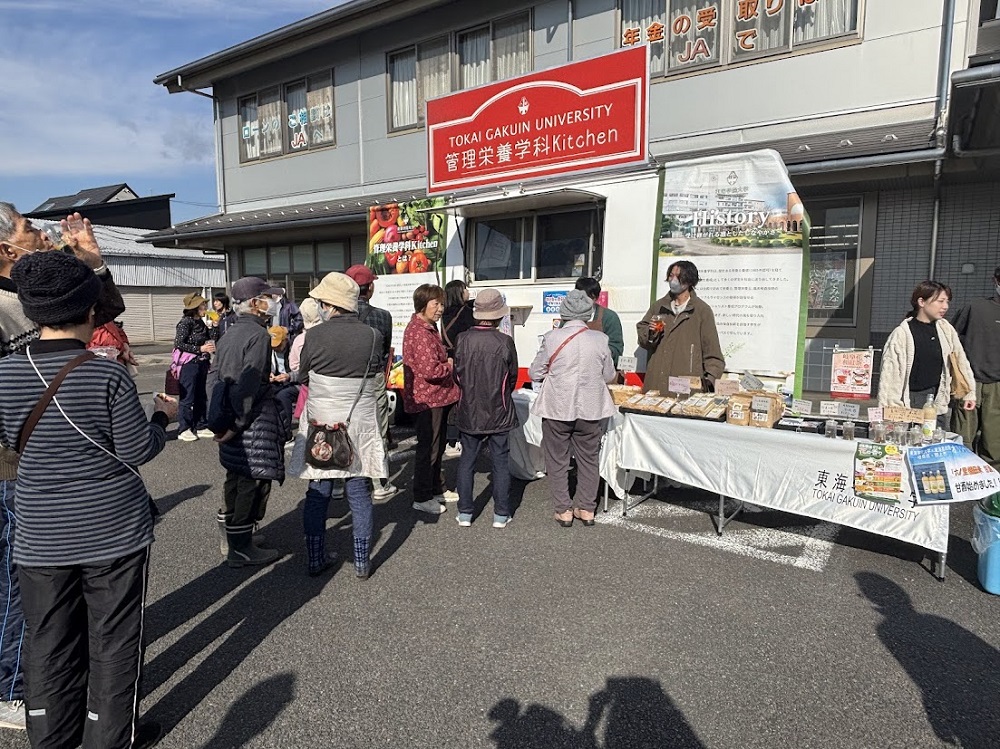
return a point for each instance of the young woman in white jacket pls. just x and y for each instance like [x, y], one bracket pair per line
[915, 361]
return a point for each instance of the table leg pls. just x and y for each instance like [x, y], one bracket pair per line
[646, 495]
[722, 521]
[605, 496]
[942, 560]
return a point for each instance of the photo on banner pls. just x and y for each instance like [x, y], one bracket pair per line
[406, 248]
[739, 219]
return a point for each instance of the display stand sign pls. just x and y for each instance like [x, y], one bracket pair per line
[948, 472]
[739, 220]
[406, 248]
[851, 376]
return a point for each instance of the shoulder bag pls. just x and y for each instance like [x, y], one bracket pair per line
[329, 445]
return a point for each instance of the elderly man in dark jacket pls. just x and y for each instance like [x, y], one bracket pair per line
[486, 371]
[251, 426]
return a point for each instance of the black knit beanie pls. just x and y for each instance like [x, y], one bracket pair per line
[54, 288]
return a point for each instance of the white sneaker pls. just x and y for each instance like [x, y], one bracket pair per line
[447, 496]
[206, 433]
[431, 507]
[453, 451]
[384, 492]
[188, 436]
[12, 715]
[501, 521]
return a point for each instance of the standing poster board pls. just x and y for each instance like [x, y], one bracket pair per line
[406, 248]
[739, 220]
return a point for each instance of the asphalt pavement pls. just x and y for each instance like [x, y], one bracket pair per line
[536, 636]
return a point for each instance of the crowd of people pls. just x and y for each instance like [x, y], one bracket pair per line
[259, 375]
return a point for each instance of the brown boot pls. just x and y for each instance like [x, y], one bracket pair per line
[565, 519]
[584, 516]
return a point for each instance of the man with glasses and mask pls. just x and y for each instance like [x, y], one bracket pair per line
[20, 239]
[251, 426]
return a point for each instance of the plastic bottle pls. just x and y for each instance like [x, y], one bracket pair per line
[939, 486]
[929, 419]
[925, 482]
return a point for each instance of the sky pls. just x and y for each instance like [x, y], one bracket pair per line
[80, 108]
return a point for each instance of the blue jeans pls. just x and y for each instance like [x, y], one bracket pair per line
[500, 451]
[359, 497]
[193, 408]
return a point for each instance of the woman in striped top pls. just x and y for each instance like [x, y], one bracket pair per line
[83, 515]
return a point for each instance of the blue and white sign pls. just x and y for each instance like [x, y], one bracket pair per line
[949, 472]
[552, 301]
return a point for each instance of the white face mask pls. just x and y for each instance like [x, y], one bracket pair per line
[324, 313]
[676, 287]
[269, 310]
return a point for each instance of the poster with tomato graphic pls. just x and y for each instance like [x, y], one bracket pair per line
[406, 248]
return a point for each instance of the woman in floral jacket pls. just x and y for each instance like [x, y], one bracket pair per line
[429, 391]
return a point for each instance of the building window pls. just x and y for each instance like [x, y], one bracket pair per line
[303, 260]
[289, 119]
[560, 244]
[685, 35]
[834, 246]
[255, 261]
[495, 51]
[281, 259]
[332, 256]
[309, 113]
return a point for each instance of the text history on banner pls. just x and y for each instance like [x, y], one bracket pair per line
[739, 220]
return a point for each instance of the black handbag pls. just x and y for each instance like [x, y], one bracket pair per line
[329, 445]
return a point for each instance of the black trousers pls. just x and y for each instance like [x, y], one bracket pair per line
[245, 501]
[432, 427]
[83, 652]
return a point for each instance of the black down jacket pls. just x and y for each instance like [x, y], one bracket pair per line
[259, 450]
[486, 371]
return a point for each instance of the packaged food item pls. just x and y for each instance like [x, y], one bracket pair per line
[766, 409]
[796, 424]
[738, 411]
[621, 393]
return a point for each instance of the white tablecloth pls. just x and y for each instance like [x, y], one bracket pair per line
[800, 473]
[527, 462]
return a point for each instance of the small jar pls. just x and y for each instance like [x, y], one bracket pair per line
[831, 429]
[899, 434]
[878, 432]
[848, 430]
[916, 436]
[938, 435]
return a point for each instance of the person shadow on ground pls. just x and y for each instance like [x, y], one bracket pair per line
[958, 673]
[635, 713]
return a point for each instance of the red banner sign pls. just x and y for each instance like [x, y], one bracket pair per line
[581, 116]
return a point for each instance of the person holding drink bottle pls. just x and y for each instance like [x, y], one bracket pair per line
[679, 334]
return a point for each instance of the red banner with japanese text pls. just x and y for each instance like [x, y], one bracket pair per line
[581, 116]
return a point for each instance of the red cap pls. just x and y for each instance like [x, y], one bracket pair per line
[361, 274]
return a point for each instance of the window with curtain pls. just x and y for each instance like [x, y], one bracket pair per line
[269, 111]
[474, 57]
[691, 34]
[761, 27]
[512, 46]
[693, 29]
[638, 16]
[319, 102]
[434, 69]
[297, 113]
[824, 20]
[403, 88]
[249, 129]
